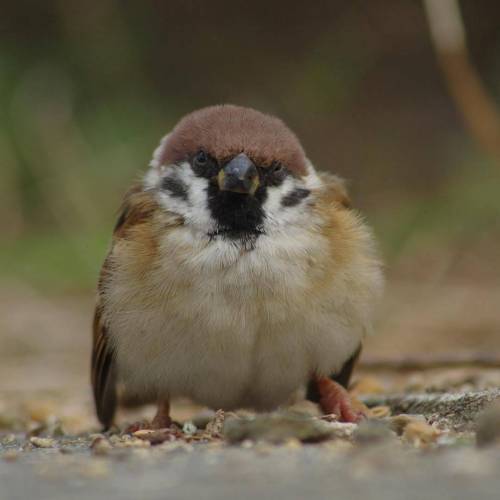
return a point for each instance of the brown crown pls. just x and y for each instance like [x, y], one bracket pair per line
[226, 130]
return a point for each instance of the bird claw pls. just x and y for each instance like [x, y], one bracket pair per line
[141, 425]
[334, 399]
[159, 422]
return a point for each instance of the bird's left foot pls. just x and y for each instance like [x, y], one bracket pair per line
[161, 420]
[334, 399]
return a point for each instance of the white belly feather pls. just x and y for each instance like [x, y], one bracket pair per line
[232, 328]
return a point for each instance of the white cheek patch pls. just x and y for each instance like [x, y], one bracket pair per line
[279, 215]
[153, 175]
[185, 194]
[311, 180]
[152, 178]
[275, 194]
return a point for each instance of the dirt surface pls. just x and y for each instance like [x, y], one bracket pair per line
[280, 473]
[50, 445]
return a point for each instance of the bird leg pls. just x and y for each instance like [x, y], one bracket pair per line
[333, 398]
[162, 418]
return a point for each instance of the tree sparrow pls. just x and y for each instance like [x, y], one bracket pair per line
[237, 275]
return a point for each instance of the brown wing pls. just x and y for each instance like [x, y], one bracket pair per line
[103, 371]
[138, 209]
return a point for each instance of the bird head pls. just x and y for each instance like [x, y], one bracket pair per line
[233, 172]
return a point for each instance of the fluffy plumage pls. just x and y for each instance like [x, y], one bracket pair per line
[225, 313]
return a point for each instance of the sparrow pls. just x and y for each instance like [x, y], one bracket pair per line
[238, 276]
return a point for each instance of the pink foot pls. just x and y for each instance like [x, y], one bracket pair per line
[161, 420]
[335, 399]
[138, 426]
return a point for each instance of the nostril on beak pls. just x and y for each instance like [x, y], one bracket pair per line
[239, 175]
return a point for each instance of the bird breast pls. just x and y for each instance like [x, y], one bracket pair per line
[226, 326]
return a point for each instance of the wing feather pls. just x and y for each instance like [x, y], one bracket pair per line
[103, 372]
[139, 208]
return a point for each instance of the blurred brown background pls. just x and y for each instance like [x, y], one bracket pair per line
[88, 88]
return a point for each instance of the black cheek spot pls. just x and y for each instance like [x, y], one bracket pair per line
[295, 197]
[175, 187]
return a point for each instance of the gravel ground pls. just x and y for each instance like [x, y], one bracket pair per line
[50, 445]
[280, 455]
[286, 471]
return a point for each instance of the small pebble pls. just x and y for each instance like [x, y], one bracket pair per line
[342, 430]
[488, 426]
[9, 439]
[398, 423]
[214, 427]
[380, 412]
[189, 428]
[100, 446]
[43, 442]
[420, 434]
[133, 442]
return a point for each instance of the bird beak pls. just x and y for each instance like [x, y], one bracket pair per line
[239, 176]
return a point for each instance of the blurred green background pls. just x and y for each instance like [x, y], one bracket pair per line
[88, 88]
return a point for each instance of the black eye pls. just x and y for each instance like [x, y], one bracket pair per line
[204, 165]
[277, 173]
[201, 158]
